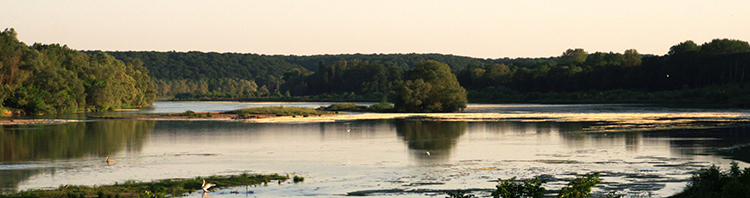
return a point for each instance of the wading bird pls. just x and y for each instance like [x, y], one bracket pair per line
[205, 186]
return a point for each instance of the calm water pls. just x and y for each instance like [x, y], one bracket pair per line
[377, 158]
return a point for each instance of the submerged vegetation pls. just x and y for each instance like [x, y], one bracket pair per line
[160, 188]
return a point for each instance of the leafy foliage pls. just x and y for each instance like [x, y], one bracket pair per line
[528, 188]
[278, 111]
[43, 79]
[431, 87]
[712, 182]
[580, 187]
[577, 188]
[379, 107]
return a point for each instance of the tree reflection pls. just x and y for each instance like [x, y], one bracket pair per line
[21, 144]
[72, 140]
[437, 138]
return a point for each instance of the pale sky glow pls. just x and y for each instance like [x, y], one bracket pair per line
[475, 28]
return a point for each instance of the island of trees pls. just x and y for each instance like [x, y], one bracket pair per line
[54, 79]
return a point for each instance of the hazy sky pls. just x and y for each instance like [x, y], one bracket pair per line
[476, 28]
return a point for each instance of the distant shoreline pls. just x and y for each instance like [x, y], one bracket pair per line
[605, 122]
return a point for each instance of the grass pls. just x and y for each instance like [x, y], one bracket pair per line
[278, 111]
[192, 114]
[353, 107]
[160, 188]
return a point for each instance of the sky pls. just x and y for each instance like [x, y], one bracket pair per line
[474, 28]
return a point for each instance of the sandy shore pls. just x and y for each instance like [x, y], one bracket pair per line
[538, 117]
[605, 121]
[33, 121]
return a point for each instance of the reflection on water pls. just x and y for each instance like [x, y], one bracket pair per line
[72, 140]
[429, 140]
[371, 157]
[27, 150]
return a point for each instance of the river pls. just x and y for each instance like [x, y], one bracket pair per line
[404, 158]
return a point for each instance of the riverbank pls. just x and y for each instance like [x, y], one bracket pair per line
[34, 121]
[601, 122]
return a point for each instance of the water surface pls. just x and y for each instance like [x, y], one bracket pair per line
[376, 157]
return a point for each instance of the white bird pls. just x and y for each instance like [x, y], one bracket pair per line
[427, 152]
[205, 186]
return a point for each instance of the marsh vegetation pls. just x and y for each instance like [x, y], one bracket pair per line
[160, 188]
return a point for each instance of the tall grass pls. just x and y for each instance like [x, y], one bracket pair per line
[278, 111]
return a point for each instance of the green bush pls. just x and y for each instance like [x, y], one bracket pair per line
[577, 188]
[381, 108]
[345, 107]
[512, 189]
[712, 182]
[279, 111]
[580, 187]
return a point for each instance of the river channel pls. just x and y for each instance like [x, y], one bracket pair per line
[392, 157]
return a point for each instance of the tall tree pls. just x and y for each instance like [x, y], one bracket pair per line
[724, 47]
[684, 47]
[632, 58]
[431, 87]
[573, 57]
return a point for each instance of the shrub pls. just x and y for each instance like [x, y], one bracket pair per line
[528, 188]
[345, 107]
[381, 108]
[578, 187]
[712, 182]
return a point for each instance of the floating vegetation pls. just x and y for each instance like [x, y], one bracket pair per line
[160, 188]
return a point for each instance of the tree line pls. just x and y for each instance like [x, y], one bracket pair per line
[689, 69]
[44, 79]
[712, 72]
[721, 61]
[184, 72]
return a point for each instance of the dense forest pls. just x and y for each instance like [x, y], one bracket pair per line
[48, 79]
[234, 75]
[707, 73]
[51, 78]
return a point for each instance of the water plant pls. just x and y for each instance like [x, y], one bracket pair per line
[458, 194]
[298, 179]
[160, 188]
[577, 188]
[528, 188]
